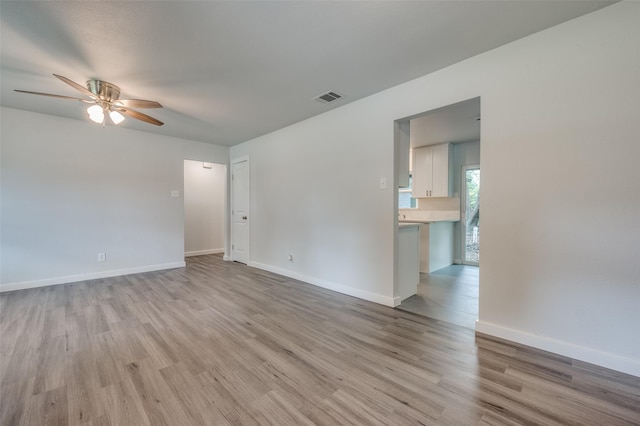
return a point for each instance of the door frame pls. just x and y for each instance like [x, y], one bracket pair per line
[231, 206]
[463, 211]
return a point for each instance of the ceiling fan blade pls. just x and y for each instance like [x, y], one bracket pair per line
[139, 116]
[54, 96]
[76, 86]
[137, 103]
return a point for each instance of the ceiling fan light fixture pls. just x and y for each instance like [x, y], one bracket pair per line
[105, 97]
[96, 114]
[116, 117]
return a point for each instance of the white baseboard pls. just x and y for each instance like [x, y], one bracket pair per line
[203, 252]
[340, 288]
[91, 276]
[227, 258]
[592, 356]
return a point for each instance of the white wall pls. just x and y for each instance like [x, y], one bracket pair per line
[560, 193]
[72, 189]
[204, 208]
[315, 193]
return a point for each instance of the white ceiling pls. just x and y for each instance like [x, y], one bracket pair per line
[455, 123]
[230, 71]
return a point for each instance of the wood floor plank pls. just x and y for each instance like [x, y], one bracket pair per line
[123, 405]
[159, 403]
[50, 370]
[233, 410]
[345, 411]
[14, 399]
[221, 343]
[21, 360]
[48, 408]
[83, 387]
[110, 363]
[192, 395]
[77, 333]
[274, 409]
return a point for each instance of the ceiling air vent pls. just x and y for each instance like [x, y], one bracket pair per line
[328, 97]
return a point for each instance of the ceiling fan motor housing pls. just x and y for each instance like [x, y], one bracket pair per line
[103, 90]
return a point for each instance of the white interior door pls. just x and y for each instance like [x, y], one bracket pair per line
[240, 211]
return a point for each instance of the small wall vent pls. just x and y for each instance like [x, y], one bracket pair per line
[328, 97]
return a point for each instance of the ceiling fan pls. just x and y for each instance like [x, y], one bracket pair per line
[104, 97]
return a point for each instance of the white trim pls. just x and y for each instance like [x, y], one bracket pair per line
[233, 161]
[239, 159]
[91, 276]
[227, 200]
[582, 353]
[340, 288]
[227, 258]
[203, 252]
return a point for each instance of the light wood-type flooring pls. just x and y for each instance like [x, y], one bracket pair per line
[219, 343]
[449, 294]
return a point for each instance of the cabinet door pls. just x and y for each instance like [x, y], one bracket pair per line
[422, 180]
[440, 175]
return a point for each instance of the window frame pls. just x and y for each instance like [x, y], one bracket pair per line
[408, 189]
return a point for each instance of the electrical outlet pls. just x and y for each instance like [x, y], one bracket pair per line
[102, 257]
[290, 258]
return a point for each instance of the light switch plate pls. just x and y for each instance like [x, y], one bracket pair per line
[175, 193]
[383, 183]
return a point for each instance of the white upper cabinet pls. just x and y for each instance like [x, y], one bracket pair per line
[440, 163]
[421, 170]
[431, 171]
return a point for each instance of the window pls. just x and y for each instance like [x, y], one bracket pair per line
[405, 201]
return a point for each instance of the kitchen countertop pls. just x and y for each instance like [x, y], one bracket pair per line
[428, 216]
[403, 224]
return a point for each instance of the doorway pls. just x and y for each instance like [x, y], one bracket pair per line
[240, 210]
[204, 208]
[470, 215]
[451, 293]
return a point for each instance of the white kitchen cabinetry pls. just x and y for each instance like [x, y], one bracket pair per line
[408, 259]
[431, 177]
